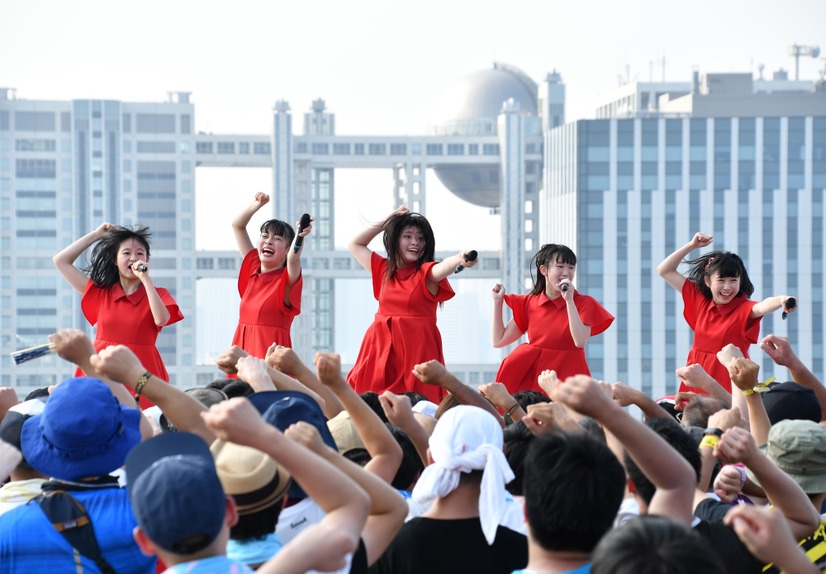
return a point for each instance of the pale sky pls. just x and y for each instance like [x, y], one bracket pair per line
[379, 64]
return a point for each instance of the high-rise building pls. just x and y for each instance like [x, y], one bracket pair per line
[741, 159]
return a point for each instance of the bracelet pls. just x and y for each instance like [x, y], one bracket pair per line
[139, 387]
[510, 410]
[710, 441]
[748, 392]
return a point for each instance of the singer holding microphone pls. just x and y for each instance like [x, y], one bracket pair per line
[118, 295]
[269, 281]
[559, 321]
[408, 285]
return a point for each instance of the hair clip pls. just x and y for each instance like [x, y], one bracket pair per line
[708, 264]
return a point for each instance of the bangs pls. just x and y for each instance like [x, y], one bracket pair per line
[278, 227]
[730, 266]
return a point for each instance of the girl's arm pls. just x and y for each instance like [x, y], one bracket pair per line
[294, 257]
[446, 268]
[239, 224]
[159, 311]
[65, 260]
[502, 335]
[770, 305]
[668, 268]
[358, 245]
[580, 332]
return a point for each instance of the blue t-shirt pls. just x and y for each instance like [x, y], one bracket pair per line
[29, 543]
[214, 565]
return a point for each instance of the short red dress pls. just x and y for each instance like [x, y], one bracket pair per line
[264, 319]
[715, 326]
[123, 319]
[403, 333]
[550, 345]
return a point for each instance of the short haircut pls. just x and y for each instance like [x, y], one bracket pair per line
[525, 398]
[372, 400]
[696, 413]
[654, 545]
[518, 439]
[411, 466]
[680, 440]
[573, 487]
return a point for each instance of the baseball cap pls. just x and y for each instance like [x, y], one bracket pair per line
[175, 492]
[798, 448]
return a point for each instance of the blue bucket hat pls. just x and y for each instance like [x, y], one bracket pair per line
[175, 492]
[284, 408]
[83, 431]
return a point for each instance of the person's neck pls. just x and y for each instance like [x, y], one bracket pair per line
[129, 286]
[461, 503]
[544, 561]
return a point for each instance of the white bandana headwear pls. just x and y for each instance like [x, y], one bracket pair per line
[468, 438]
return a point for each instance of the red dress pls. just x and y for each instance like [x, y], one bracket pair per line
[715, 326]
[550, 345]
[403, 333]
[264, 319]
[123, 319]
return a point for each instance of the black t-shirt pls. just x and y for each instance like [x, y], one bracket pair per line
[451, 546]
[723, 540]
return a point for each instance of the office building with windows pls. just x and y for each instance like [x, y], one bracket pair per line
[740, 158]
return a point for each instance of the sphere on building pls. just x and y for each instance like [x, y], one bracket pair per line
[470, 108]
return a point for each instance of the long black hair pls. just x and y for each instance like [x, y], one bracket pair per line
[393, 228]
[102, 269]
[547, 255]
[728, 264]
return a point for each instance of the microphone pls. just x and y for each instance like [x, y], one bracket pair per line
[299, 240]
[141, 267]
[471, 256]
[564, 287]
[791, 303]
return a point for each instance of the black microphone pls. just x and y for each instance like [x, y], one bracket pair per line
[790, 304]
[299, 240]
[564, 287]
[471, 256]
[141, 267]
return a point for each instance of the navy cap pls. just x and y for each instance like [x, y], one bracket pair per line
[175, 492]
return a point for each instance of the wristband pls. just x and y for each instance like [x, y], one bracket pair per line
[513, 408]
[139, 387]
[710, 441]
[714, 431]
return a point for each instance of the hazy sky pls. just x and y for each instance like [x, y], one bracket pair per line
[378, 64]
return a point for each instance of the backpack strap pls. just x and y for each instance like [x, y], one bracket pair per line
[68, 516]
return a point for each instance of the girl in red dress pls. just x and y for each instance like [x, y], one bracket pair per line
[717, 306]
[408, 285]
[269, 281]
[119, 295]
[559, 321]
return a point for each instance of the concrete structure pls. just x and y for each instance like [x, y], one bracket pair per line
[743, 160]
[67, 166]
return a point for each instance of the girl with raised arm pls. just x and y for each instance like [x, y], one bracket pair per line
[119, 295]
[717, 305]
[559, 321]
[269, 281]
[408, 285]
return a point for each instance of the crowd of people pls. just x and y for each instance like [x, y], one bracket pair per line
[398, 466]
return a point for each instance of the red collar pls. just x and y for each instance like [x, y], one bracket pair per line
[731, 306]
[135, 298]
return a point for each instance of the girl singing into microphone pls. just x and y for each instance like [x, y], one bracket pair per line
[717, 305]
[269, 281]
[408, 285]
[119, 295]
[558, 319]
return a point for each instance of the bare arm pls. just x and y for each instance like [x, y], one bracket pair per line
[434, 373]
[385, 452]
[580, 332]
[502, 335]
[65, 260]
[347, 505]
[770, 305]
[626, 395]
[737, 445]
[239, 224]
[447, 267]
[388, 507]
[781, 352]
[497, 393]
[120, 364]
[665, 467]
[667, 269]
[285, 360]
[743, 373]
[160, 313]
[399, 412]
[293, 257]
[358, 245]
